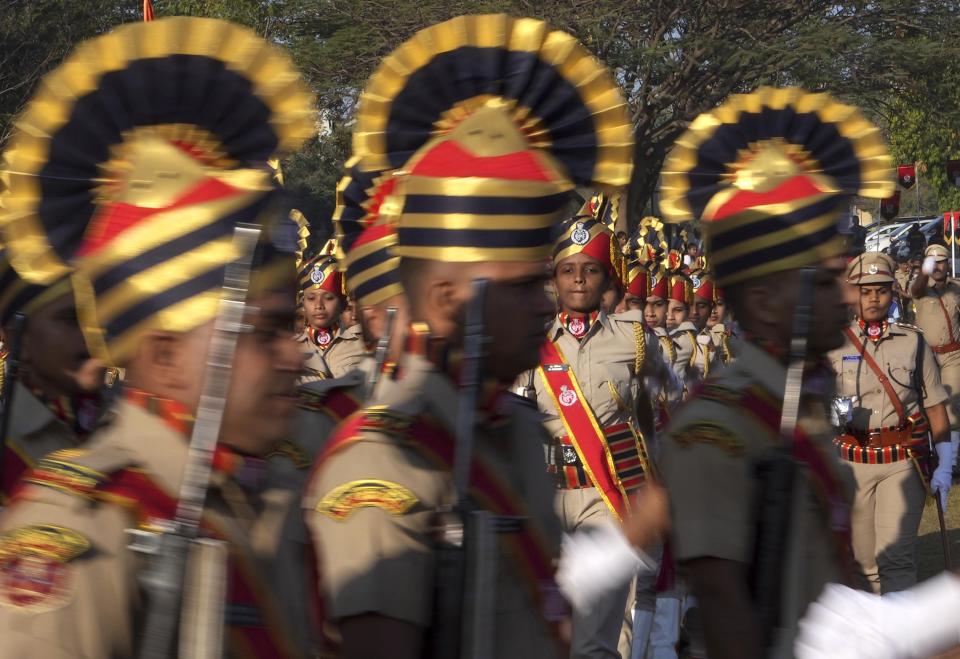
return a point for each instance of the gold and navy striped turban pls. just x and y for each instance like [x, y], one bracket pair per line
[135, 162]
[766, 173]
[491, 122]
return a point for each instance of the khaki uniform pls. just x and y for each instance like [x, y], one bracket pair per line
[938, 315]
[84, 601]
[889, 498]
[722, 343]
[904, 281]
[692, 363]
[707, 463]
[325, 403]
[604, 364]
[377, 554]
[344, 354]
[34, 431]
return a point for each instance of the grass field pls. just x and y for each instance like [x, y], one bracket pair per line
[929, 550]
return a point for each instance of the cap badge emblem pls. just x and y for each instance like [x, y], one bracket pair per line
[696, 281]
[317, 275]
[873, 269]
[580, 235]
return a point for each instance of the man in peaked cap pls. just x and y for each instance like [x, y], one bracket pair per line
[936, 303]
[58, 388]
[149, 254]
[478, 199]
[890, 383]
[766, 174]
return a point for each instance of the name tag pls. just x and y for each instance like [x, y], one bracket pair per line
[851, 358]
[556, 368]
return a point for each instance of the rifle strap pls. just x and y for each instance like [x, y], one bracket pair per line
[881, 376]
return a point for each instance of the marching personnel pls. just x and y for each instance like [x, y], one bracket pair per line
[57, 397]
[720, 327]
[157, 259]
[889, 386]
[476, 202]
[588, 385]
[937, 313]
[905, 276]
[758, 499]
[332, 348]
[692, 363]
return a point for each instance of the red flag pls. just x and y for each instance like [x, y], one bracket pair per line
[953, 172]
[890, 207]
[147, 10]
[907, 175]
[951, 218]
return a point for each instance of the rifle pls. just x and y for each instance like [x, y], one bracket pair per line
[168, 549]
[777, 477]
[10, 381]
[380, 356]
[463, 605]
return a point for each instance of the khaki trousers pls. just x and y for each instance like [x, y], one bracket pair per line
[950, 377]
[886, 515]
[595, 632]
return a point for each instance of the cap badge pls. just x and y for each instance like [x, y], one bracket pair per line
[696, 281]
[873, 269]
[580, 235]
[317, 275]
[567, 396]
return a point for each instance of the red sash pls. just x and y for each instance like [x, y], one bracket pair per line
[134, 490]
[526, 546]
[338, 403]
[582, 427]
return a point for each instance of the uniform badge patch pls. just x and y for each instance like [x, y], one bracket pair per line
[340, 502]
[34, 575]
[705, 432]
[567, 396]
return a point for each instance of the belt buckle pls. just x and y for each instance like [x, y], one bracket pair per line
[569, 455]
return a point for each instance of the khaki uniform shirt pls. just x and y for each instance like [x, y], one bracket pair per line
[707, 463]
[604, 363]
[344, 354]
[904, 280]
[896, 355]
[938, 320]
[86, 603]
[691, 364]
[722, 343]
[378, 555]
[33, 432]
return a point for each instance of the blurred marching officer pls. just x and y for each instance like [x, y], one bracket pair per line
[754, 558]
[149, 254]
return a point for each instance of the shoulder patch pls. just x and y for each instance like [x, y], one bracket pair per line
[708, 432]
[381, 419]
[340, 502]
[34, 575]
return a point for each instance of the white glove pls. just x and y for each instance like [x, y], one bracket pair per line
[928, 266]
[597, 561]
[850, 624]
[942, 477]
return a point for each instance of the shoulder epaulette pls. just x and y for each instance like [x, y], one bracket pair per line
[380, 419]
[908, 326]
